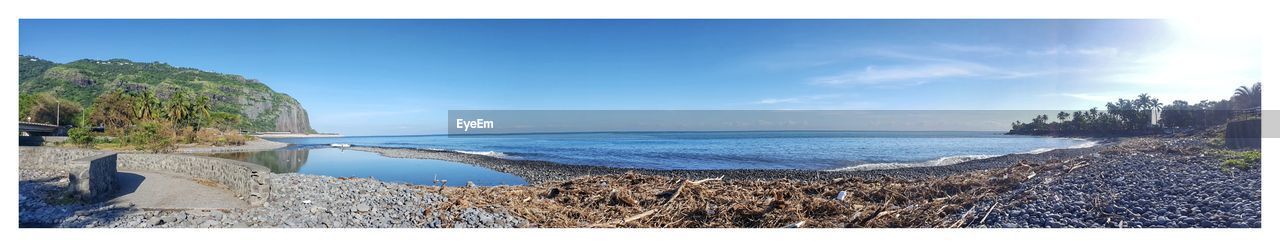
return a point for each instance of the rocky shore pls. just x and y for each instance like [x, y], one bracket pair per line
[297, 201]
[1142, 182]
[1131, 182]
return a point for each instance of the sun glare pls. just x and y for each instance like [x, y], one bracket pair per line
[1202, 56]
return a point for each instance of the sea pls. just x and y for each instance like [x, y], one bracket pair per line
[808, 150]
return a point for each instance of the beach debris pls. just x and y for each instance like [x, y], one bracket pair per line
[993, 207]
[1078, 166]
[708, 179]
[685, 183]
[963, 218]
[306, 201]
[795, 225]
[638, 200]
[622, 198]
[471, 184]
[628, 219]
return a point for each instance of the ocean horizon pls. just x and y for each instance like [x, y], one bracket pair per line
[685, 150]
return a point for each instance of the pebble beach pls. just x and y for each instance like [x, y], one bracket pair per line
[1130, 182]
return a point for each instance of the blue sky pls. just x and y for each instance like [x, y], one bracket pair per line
[375, 77]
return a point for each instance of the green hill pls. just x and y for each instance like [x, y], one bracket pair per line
[261, 108]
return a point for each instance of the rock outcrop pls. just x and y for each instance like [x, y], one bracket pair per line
[292, 117]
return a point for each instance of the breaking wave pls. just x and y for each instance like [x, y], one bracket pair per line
[944, 161]
[494, 154]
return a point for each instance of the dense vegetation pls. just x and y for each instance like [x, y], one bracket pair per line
[145, 106]
[143, 122]
[1133, 116]
[82, 82]
[45, 108]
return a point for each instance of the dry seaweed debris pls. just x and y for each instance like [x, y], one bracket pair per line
[634, 200]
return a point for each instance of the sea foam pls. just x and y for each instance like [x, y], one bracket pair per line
[944, 161]
[494, 154]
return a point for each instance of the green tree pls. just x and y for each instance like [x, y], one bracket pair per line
[113, 111]
[1248, 97]
[176, 108]
[45, 108]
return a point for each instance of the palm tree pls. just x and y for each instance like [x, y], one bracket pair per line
[1248, 97]
[1143, 102]
[142, 105]
[200, 109]
[177, 108]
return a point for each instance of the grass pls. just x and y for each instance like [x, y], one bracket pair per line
[1240, 159]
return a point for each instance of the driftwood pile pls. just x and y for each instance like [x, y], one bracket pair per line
[633, 200]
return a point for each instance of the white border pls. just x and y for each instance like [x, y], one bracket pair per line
[626, 9]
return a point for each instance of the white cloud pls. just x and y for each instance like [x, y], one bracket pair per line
[771, 101]
[803, 99]
[1065, 51]
[966, 48]
[917, 69]
[874, 75]
[1090, 97]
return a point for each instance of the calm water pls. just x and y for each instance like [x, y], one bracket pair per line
[345, 163]
[819, 150]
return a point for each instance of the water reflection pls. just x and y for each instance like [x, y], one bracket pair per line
[347, 163]
[286, 160]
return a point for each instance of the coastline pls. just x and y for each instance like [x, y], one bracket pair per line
[1133, 177]
[536, 171]
[258, 144]
[296, 135]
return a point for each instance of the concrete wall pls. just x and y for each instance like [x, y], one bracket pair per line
[248, 181]
[92, 178]
[1244, 134]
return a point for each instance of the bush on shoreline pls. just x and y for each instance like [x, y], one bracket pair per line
[1131, 117]
[80, 136]
[143, 120]
[152, 136]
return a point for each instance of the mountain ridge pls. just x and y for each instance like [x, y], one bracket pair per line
[81, 81]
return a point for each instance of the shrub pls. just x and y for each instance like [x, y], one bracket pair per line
[186, 134]
[80, 136]
[208, 136]
[235, 138]
[153, 136]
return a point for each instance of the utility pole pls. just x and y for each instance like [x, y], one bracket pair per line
[57, 112]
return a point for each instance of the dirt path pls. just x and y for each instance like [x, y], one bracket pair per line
[149, 190]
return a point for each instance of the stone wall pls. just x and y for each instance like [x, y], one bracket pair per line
[51, 158]
[247, 180]
[92, 178]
